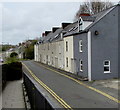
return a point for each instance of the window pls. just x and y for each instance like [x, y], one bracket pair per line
[48, 46]
[81, 65]
[61, 34]
[56, 36]
[106, 66]
[59, 49]
[80, 46]
[52, 61]
[80, 24]
[66, 46]
[66, 61]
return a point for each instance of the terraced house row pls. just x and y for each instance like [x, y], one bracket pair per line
[87, 47]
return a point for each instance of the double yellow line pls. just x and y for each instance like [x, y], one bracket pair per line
[60, 100]
[85, 85]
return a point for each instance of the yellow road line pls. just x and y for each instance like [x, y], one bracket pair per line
[85, 85]
[60, 100]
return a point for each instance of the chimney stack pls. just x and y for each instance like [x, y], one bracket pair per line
[47, 32]
[54, 29]
[43, 34]
[65, 24]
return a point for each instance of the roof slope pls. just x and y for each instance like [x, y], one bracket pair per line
[97, 18]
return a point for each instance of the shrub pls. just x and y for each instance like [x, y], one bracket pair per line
[11, 60]
[12, 71]
[13, 54]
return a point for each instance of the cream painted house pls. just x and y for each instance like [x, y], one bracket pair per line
[68, 53]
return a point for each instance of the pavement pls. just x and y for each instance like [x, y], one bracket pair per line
[110, 86]
[12, 96]
[76, 95]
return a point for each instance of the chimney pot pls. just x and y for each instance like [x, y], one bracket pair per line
[84, 14]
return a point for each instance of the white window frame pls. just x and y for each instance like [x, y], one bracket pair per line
[81, 66]
[80, 46]
[80, 24]
[107, 66]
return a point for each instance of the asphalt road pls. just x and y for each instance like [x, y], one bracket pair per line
[74, 94]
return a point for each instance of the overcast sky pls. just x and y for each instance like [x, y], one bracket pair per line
[27, 20]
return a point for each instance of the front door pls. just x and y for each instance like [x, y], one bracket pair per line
[73, 65]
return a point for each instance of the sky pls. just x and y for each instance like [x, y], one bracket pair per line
[21, 21]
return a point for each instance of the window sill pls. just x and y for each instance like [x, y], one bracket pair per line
[107, 72]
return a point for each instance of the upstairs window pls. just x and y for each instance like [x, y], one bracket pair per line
[80, 46]
[48, 46]
[59, 49]
[80, 24]
[66, 46]
[106, 66]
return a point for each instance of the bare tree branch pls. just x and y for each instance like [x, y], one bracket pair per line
[92, 7]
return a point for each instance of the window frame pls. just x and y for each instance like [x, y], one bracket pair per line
[81, 65]
[48, 46]
[80, 46]
[66, 61]
[80, 24]
[66, 46]
[109, 66]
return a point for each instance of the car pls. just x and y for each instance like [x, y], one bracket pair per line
[1, 60]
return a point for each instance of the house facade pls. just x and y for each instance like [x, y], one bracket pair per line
[88, 47]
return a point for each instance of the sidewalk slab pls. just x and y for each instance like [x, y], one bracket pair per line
[12, 96]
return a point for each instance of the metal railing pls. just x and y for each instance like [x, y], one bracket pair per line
[36, 98]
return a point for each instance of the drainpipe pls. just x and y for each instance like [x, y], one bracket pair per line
[89, 56]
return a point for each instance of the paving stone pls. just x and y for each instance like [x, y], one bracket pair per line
[12, 96]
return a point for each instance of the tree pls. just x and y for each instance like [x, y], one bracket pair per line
[29, 50]
[92, 7]
[13, 54]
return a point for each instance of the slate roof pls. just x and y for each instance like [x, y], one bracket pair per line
[72, 29]
[56, 35]
[100, 15]
[95, 18]
[51, 36]
[88, 18]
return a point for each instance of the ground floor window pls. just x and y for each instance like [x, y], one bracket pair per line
[81, 65]
[66, 61]
[52, 61]
[106, 66]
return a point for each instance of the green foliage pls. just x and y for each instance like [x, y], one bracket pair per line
[13, 54]
[29, 50]
[11, 60]
[6, 47]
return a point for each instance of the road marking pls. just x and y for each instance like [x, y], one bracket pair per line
[60, 100]
[85, 85]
